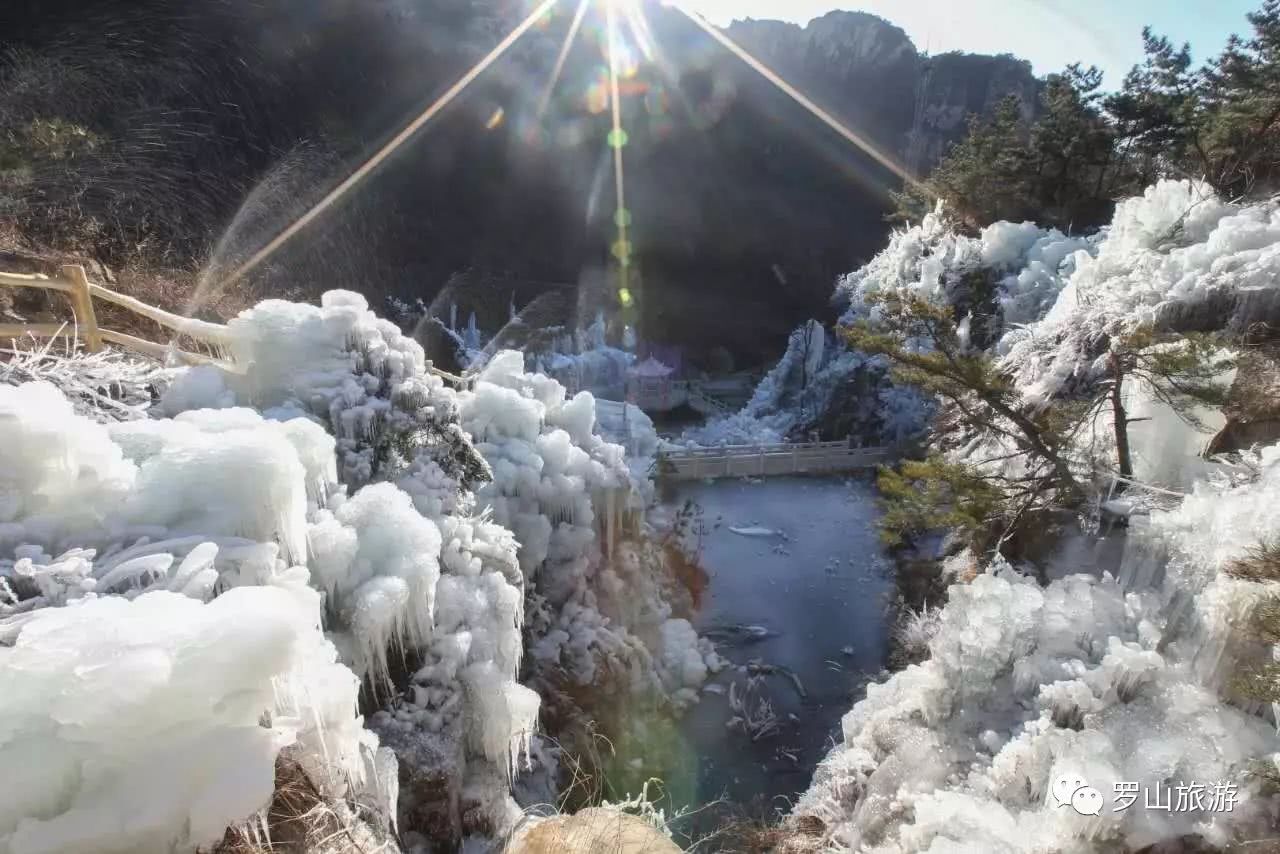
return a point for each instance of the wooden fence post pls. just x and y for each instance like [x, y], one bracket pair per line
[82, 301]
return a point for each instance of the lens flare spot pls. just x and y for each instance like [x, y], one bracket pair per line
[495, 120]
[624, 297]
[622, 250]
[597, 98]
[618, 138]
[622, 218]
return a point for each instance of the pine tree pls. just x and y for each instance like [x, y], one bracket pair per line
[1155, 111]
[984, 177]
[925, 350]
[1241, 97]
[1181, 371]
[1071, 150]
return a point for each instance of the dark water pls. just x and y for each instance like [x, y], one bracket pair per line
[821, 587]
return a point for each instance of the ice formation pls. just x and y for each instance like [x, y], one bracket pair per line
[153, 723]
[1026, 265]
[1045, 305]
[1039, 299]
[1166, 252]
[1110, 680]
[576, 507]
[335, 478]
[1006, 277]
[800, 390]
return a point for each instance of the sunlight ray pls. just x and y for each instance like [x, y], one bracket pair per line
[563, 57]
[639, 26]
[800, 98]
[617, 140]
[387, 150]
[638, 23]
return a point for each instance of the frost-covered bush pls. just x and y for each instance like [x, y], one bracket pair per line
[105, 386]
[1165, 253]
[354, 372]
[1023, 265]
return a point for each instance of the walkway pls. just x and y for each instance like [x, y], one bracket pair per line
[769, 460]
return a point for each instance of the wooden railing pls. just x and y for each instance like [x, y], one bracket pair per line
[768, 460]
[84, 326]
[214, 338]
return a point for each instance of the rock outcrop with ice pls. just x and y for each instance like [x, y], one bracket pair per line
[1112, 680]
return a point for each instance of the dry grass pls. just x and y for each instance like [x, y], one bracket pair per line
[682, 552]
[1261, 563]
[804, 834]
[688, 572]
[301, 820]
[915, 630]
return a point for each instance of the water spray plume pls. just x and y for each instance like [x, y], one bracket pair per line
[387, 150]
[799, 97]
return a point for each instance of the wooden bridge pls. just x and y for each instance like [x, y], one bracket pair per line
[769, 460]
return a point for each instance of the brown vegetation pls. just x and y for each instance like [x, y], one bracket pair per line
[300, 820]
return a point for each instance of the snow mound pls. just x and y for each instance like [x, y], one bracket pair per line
[217, 474]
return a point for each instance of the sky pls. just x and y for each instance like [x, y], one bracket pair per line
[1049, 33]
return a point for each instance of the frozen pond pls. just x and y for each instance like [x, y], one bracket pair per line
[806, 566]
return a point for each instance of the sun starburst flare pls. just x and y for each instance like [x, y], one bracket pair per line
[615, 13]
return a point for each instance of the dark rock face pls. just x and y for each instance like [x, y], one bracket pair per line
[743, 206]
[868, 72]
[1253, 403]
